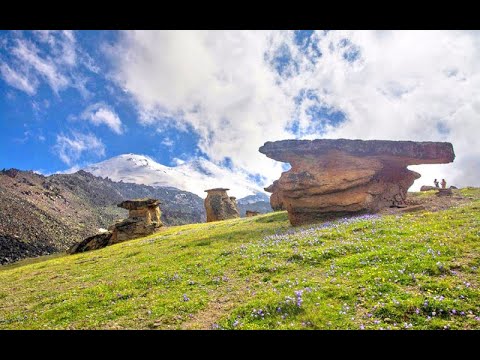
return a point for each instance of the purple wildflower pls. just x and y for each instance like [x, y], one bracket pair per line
[185, 297]
[299, 300]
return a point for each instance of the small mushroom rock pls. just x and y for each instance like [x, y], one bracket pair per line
[250, 213]
[143, 219]
[219, 206]
[344, 176]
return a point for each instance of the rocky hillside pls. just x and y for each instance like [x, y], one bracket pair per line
[41, 215]
[259, 202]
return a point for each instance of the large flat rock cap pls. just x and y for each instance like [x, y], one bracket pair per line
[138, 203]
[217, 189]
[412, 152]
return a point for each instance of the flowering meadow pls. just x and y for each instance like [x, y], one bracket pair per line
[394, 272]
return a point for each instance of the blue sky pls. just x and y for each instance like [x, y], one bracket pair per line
[70, 99]
[30, 123]
[33, 120]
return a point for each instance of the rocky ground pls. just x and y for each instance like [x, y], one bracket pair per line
[417, 201]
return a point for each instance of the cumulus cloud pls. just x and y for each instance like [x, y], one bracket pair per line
[216, 83]
[70, 148]
[101, 113]
[238, 89]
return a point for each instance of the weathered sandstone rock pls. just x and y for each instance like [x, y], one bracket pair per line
[143, 219]
[347, 176]
[444, 192]
[219, 206]
[94, 242]
[428, 188]
[275, 201]
[250, 213]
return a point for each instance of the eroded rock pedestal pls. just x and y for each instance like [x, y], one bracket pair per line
[347, 176]
[219, 206]
[143, 219]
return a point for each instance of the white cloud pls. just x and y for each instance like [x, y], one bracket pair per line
[168, 142]
[215, 82]
[28, 54]
[71, 148]
[18, 80]
[52, 56]
[62, 45]
[101, 113]
[403, 85]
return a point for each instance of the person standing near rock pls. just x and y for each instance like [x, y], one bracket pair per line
[444, 184]
[436, 183]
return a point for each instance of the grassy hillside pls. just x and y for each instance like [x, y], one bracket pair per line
[416, 271]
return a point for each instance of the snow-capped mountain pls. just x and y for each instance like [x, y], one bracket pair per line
[252, 199]
[194, 176]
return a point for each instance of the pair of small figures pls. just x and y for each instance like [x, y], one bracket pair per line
[444, 183]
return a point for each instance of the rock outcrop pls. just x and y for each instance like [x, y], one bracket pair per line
[143, 219]
[444, 192]
[250, 213]
[219, 206]
[428, 188]
[346, 176]
[94, 242]
[276, 202]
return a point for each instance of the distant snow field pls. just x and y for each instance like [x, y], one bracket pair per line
[195, 176]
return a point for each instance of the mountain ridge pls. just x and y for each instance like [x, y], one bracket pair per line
[44, 214]
[40, 214]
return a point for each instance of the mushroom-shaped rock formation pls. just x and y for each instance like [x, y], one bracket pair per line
[250, 213]
[219, 206]
[345, 176]
[143, 219]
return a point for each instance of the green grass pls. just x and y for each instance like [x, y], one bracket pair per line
[417, 271]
